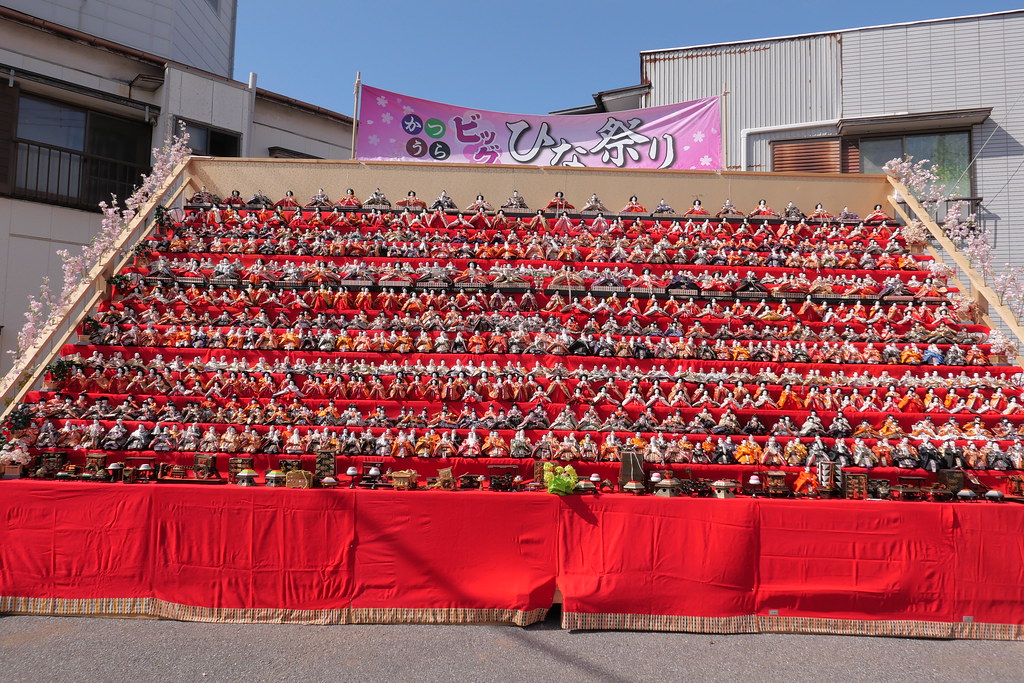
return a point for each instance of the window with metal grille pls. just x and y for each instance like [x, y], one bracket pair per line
[61, 154]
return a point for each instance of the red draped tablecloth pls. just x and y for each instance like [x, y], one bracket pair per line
[228, 553]
[225, 553]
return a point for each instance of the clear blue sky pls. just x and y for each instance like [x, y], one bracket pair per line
[523, 56]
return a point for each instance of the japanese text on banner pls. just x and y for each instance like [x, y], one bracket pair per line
[394, 127]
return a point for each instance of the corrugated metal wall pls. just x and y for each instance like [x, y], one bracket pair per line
[770, 83]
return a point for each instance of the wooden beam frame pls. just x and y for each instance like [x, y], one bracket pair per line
[985, 296]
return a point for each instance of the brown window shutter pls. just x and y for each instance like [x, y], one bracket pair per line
[851, 156]
[8, 127]
[818, 155]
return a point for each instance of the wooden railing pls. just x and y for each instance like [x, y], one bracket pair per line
[986, 298]
[30, 367]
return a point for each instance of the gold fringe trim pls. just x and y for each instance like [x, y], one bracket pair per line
[583, 621]
[153, 608]
[60, 607]
[453, 615]
[221, 615]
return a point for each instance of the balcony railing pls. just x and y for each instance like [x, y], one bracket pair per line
[66, 177]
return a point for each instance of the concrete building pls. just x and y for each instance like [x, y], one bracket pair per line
[199, 33]
[80, 112]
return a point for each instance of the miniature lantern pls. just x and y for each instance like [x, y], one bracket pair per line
[353, 477]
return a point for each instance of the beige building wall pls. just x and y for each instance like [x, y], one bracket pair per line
[30, 236]
[23, 48]
[276, 124]
[201, 99]
[539, 183]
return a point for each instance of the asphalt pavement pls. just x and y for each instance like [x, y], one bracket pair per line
[82, 649]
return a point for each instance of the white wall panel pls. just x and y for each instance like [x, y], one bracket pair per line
[278, 125]
[230, 106]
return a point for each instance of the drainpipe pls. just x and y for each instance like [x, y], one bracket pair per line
[773, 129]
[247, 143]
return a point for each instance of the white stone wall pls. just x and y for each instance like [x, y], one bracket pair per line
[192, 32]
[194, 96]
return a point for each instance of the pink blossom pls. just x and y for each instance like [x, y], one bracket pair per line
[1001, 344]
[916, 234]
[920, 178]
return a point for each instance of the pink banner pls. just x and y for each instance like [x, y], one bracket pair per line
[395, 127]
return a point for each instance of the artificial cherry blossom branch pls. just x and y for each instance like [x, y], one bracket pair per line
[974, 241]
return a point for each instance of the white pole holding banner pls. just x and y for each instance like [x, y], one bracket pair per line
[725, 137]
[355, 110]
